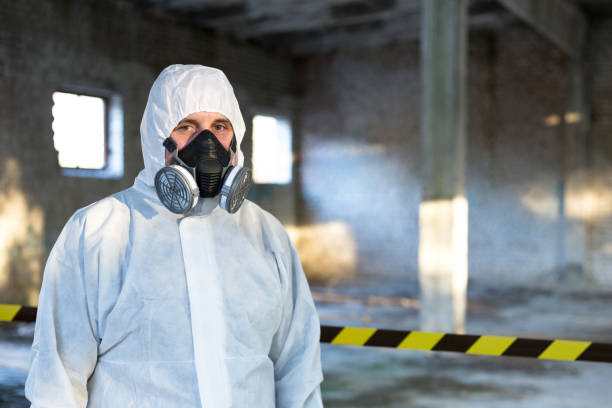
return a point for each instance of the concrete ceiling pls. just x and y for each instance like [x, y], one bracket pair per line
[301, 27]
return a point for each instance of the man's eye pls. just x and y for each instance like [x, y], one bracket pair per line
[184, 128]
[219, 128]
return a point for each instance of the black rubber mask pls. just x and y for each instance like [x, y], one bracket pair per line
[210, 159]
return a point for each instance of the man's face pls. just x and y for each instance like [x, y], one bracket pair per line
[191, 126]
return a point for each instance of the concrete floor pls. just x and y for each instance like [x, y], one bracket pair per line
[15, 341]
[376, 377]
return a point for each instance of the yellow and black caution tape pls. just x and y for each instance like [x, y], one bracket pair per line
[469, 344]
[415, 340]
[17, 313]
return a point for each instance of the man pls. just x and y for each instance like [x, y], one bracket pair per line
[144, 307]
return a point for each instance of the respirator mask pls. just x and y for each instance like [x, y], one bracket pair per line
[202, 169]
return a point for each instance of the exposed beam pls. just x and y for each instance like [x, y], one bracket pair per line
[253, 10]
[254, 13]
[403, 29]
[324, 19]
[558, 20]
[326, 23]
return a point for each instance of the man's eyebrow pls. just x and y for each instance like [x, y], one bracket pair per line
[192, 121]
[223, 122]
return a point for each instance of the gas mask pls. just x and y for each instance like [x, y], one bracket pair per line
[202, 169]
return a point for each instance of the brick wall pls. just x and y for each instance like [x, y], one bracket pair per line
[45, 45]
[361, 156]
[599, 157]
[356, 136]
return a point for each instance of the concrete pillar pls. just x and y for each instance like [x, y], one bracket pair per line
[443, 213]
[581, 244]
[574, 156]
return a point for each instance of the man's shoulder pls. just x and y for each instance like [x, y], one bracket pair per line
[269, 221]
[91, 224]
[270, 227]
[93, 216]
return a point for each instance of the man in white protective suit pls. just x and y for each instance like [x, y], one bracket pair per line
[144, 306]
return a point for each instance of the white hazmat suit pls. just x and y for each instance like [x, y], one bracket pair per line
[141, 307]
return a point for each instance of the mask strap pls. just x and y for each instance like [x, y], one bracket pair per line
[232, 155]
[233, 144]
[233, 149]
[172, 148]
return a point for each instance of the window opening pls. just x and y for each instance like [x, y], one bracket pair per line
[88, 134]
[272, 152]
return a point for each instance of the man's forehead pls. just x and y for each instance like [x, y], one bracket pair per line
[205, 116]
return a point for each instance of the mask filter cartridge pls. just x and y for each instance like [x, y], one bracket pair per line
[202, 169]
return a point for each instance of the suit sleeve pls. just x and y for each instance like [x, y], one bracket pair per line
[64, 351]
[296, 346]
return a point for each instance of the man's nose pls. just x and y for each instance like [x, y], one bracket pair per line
[196, 134]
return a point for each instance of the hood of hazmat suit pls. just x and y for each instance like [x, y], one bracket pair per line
[141, 307]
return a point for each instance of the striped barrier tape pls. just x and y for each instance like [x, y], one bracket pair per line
[469, 344]
[17, 313]
[566, 350]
